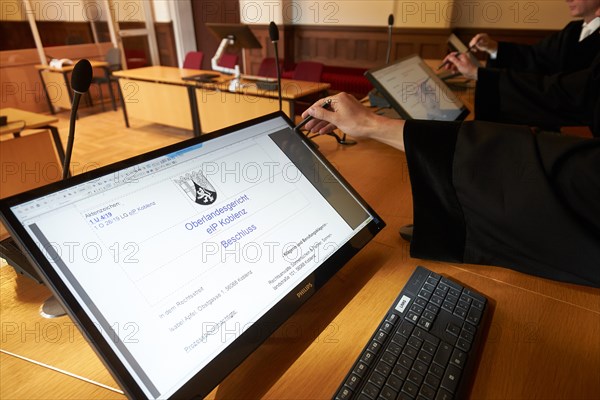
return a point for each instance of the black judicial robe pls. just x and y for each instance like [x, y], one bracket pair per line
[496, 194]
[548, 101]
[559, 52]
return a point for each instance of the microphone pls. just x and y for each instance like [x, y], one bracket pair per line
[375, 98]
[274, 35]
[389, 48]
[81, 78]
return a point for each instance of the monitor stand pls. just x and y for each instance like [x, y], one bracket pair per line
[16, 259]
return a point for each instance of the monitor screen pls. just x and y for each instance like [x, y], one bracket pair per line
[178, 263]
[457, 45]
[416, 92]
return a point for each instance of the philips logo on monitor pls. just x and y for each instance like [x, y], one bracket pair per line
[198, 188]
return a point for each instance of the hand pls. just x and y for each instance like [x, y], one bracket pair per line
[460, 62]
[345, 113]
[358, 121]
[483, 42]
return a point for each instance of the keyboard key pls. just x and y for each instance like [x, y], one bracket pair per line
[436, 370]
[377, 379]
[443, 354]
[451, 377]
[389, 357]
[410, 352]
[421, 302]
[401, 371]
[370, 391]
[466, 335]
[474, 316]
[406, 329]
[367, 357]
[454, 292]
[405, 362]
[415, 342]
[344, 393]
[392, 318]
[387, 327]
[352, 382]
[360, 369]
[436, 300]
[453, 329]
[458, 358]
[463, 344]
[420, 367]
[429, 287]
[410, 389]
[415, 378]
[383, 368]
[395, 382]
[387, 393]
[425, 323]
[412, 317]
[432, 380]
[427, 392]
[374, 347]
[448, 306]
[460, 312]
[425, 357]
[426, 294]
[443, 395]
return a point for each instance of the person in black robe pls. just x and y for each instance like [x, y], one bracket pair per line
[560, 52]
[489, 193]
[548, 101]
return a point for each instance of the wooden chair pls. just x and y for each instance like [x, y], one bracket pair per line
[113, 58]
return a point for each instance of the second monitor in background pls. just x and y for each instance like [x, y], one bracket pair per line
[416, 92]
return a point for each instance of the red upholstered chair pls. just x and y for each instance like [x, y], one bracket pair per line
[228, 60]
[193, 60]
[268, 67]
[308, 71]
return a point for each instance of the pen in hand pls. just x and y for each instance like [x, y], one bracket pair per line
[469, 50]
[326, 104]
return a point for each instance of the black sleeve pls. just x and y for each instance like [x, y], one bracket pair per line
[548, 101]
[496, 194]
[543, 57]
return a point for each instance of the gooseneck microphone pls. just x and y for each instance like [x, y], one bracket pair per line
[389, 47]
[274, 35]
[81, 78]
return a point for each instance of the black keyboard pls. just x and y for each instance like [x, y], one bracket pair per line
[426, 347]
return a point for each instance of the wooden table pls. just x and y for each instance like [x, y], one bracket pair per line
[58, 87]
[544, 339]
[162, 95]
[19, 120]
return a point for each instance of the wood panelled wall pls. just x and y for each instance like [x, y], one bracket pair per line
[17, 35]
[365, 47]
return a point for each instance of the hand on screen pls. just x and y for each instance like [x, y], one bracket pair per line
[344, 113]
[460, 62]
[483, 42]
[358, 121]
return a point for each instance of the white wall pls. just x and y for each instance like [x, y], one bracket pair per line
[497, 14]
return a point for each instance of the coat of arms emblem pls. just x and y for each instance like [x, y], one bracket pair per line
[197, 187]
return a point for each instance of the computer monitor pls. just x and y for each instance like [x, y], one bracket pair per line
[416, 92]
[178, 263]
[457, 45]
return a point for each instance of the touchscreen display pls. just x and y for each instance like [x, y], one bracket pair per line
[173, 258]
[415, 92]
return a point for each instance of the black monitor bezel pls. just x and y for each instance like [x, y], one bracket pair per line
[464, 111]
[217, 369]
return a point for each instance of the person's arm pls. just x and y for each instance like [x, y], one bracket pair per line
[354, 119]
[497, 194]
[565, 99]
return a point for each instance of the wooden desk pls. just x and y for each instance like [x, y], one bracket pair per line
[19, 120]
[161, 95]
[57, 86]
[543, 341]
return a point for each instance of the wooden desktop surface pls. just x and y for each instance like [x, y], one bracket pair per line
[69, 67]
[543, 342]
[19, 119]
[291, 89]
